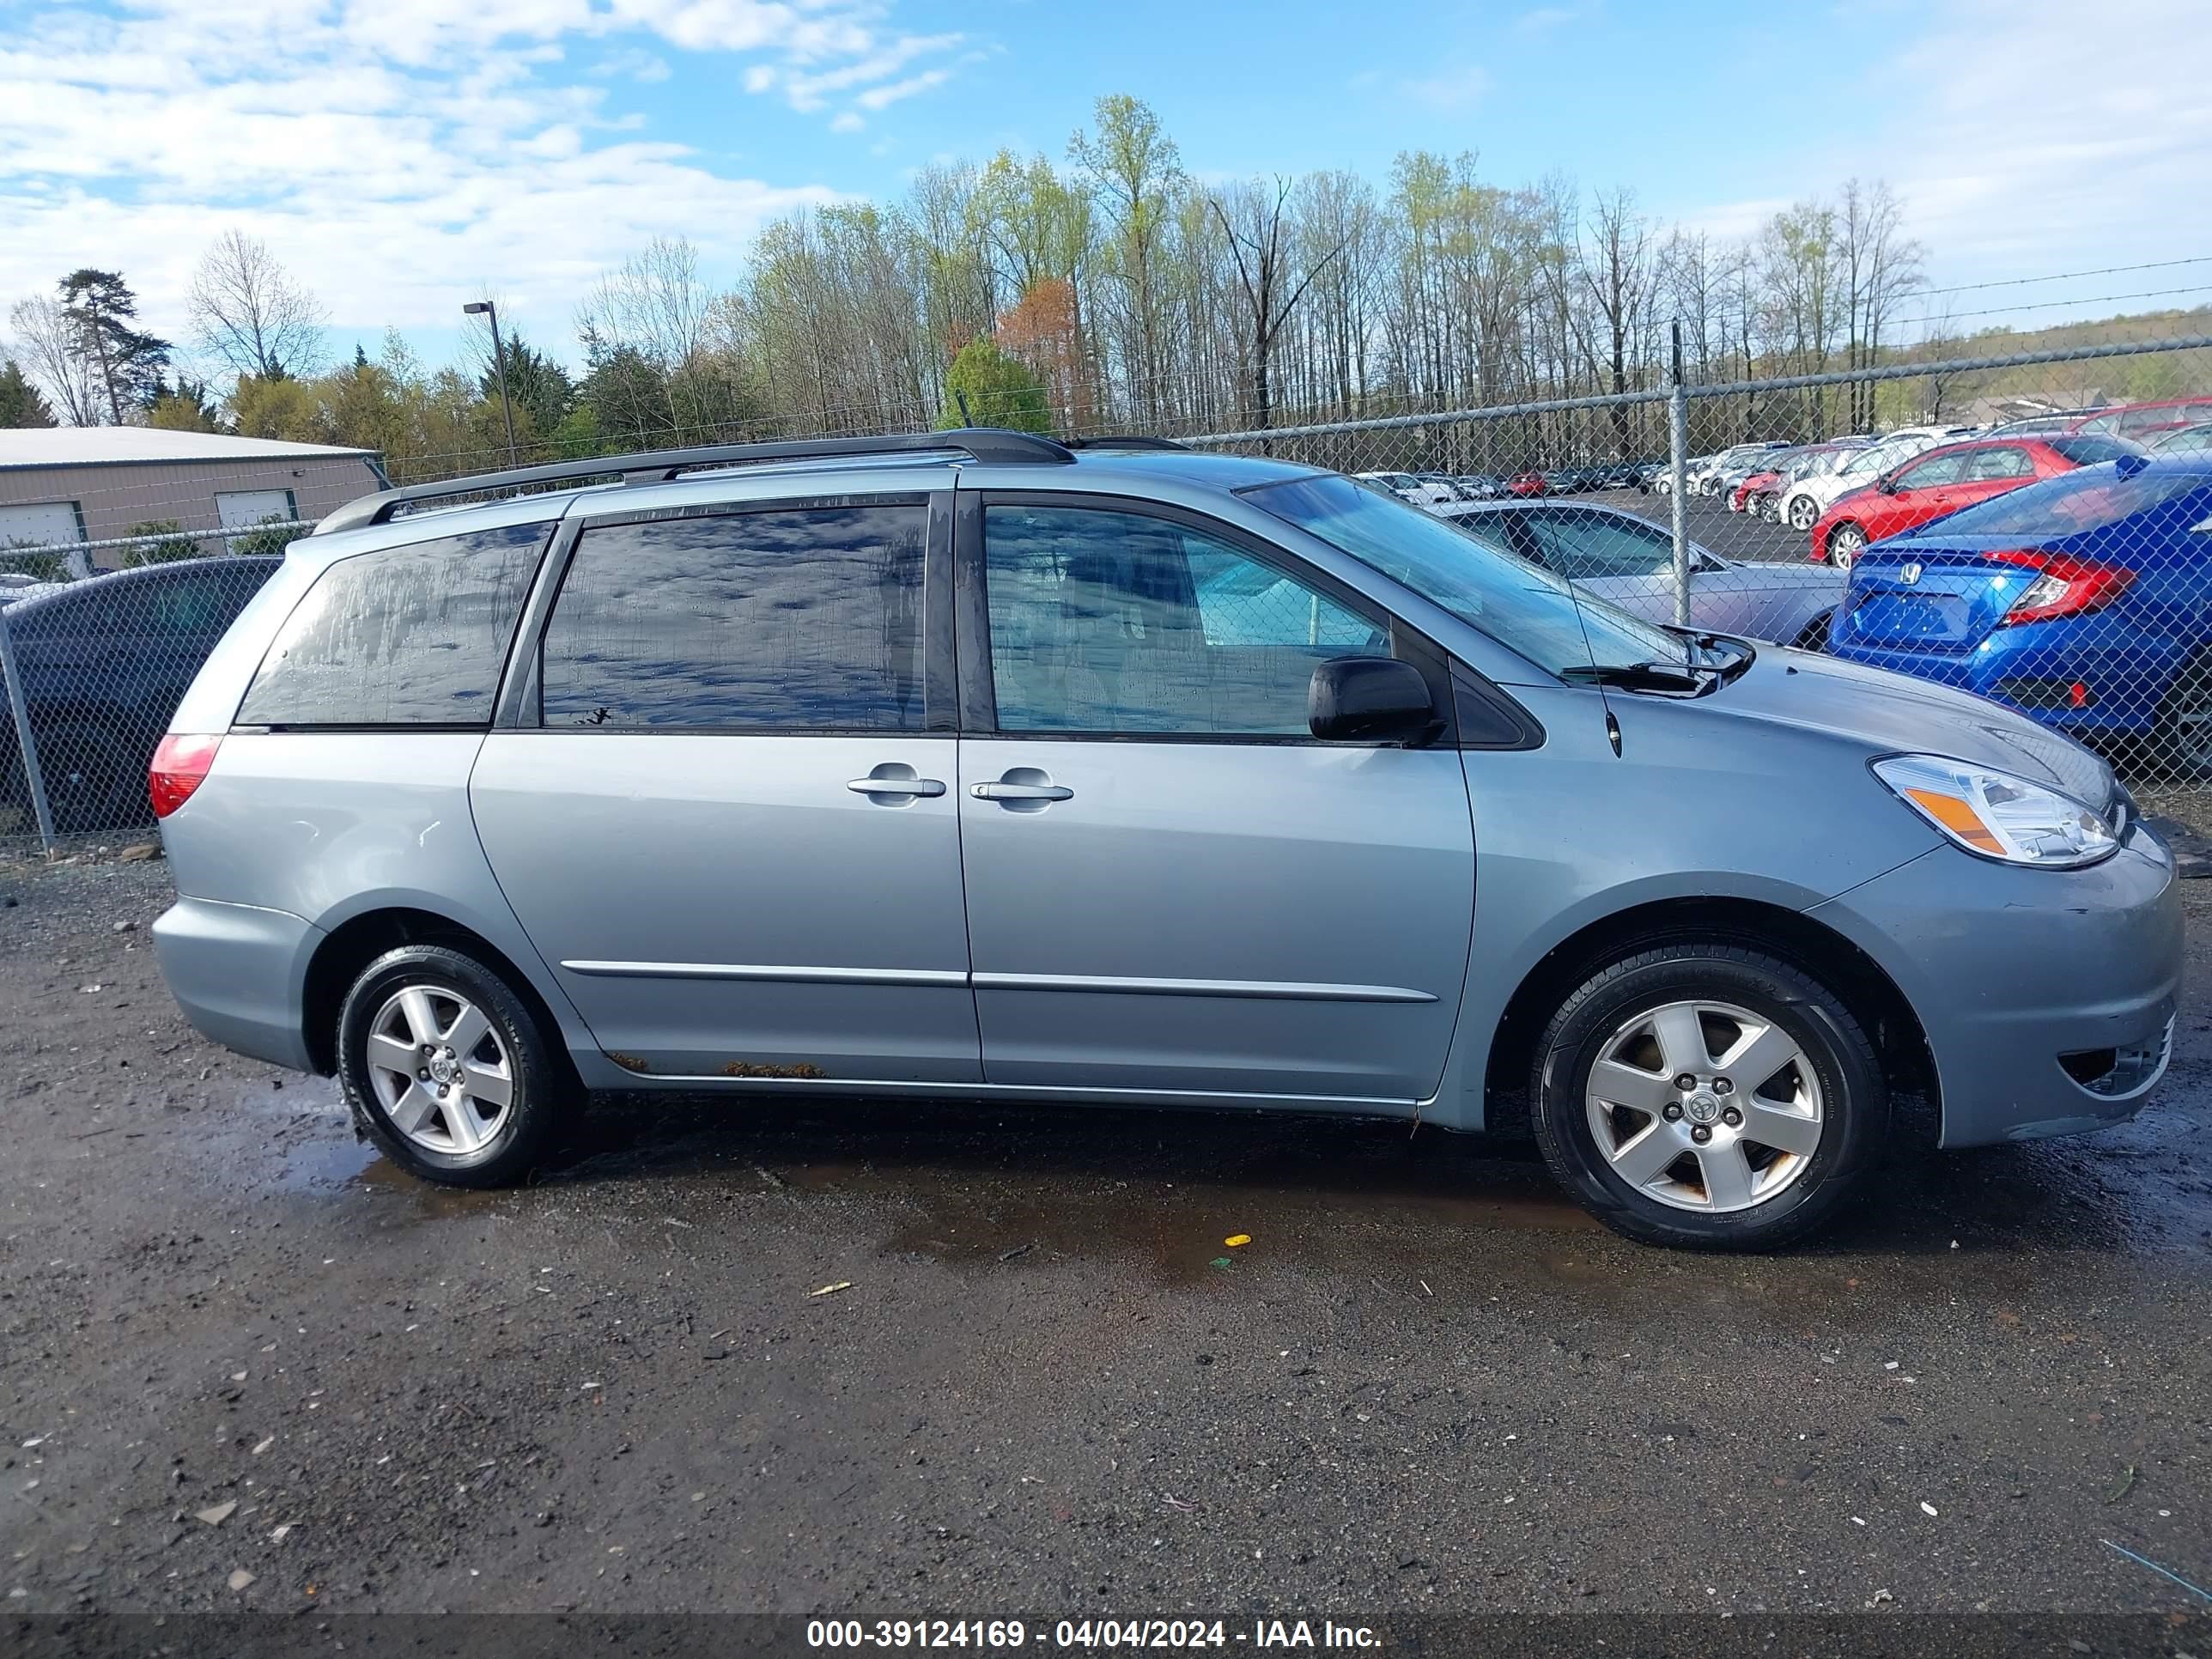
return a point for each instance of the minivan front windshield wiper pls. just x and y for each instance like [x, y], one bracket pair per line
[1693, 678]
[1735, 655]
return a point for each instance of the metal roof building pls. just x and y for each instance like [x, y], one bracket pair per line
[77, 483]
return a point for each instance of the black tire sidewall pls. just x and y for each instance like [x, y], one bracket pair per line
[1855, 1101]
[508, 1153]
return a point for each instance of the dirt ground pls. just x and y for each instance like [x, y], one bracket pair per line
[234, 1342]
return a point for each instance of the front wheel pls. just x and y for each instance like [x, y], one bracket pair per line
[447, 1068]
[1845, 543]
[1708, 1096]
[1804, 513]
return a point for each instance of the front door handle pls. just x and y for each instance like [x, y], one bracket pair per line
[896, 778]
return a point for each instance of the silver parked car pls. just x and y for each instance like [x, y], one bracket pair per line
[1629, 561]
[973, 765]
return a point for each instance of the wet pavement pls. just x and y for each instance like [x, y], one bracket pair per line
[1050, 1388]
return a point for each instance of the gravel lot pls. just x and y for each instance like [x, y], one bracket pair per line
[234, 1342]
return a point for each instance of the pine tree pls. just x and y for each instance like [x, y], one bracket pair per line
[22, 404]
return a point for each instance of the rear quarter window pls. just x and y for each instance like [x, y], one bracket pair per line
[412, 635]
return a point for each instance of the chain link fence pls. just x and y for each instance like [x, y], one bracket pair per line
[2036, 528]
[2004, 525]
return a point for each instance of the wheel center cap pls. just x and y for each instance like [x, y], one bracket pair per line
[1702, 1106]
[444, 1068]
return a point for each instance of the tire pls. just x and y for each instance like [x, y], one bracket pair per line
[1814, 636]
[429, 991]
[1804, 513]
[92, 781]
[1845, 543]
[1768, 512]
[1746, 1193]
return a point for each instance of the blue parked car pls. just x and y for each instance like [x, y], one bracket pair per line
[2085, 600]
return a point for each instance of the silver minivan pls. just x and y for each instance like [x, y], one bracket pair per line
[971, 763]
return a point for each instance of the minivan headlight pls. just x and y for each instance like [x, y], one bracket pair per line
[1998, 815]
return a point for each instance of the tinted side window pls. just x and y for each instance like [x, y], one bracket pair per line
[1579, 546]
[1985, 465]
[413, 635]
[1942, 470]
[1105, 622]
[805, 618]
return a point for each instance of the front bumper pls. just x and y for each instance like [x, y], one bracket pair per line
[2017, 974]
[239, 973]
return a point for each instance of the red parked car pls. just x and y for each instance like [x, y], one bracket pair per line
[1529, 481]
[1946, 479]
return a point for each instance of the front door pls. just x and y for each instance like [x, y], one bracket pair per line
[1172, 887]
[728, 821]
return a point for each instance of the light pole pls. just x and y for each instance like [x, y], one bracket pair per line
[485, 308]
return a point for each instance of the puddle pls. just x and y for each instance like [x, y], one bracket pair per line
[989, 1187]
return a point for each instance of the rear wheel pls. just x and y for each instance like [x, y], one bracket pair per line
[447, 1068]
[1804, 513]
[1705, 1095]
[1845, 543]
[2184, 740]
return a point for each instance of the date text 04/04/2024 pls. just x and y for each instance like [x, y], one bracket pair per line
[1088, 1634]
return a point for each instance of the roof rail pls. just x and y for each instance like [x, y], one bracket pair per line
[1125, 441]
[984, 444]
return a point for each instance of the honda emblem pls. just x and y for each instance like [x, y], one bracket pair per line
[1910, 575]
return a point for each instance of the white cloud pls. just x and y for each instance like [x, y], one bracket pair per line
[883, 97]
[397, 154]
[1458, 87]
[2022, 145]
[2037, 139]
[847, 122]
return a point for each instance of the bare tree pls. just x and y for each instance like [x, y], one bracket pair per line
[1258, 245]
[47, 337]
[1881, 265]
[1617, 273]
[249, 311]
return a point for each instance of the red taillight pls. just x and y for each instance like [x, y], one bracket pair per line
[179, 762]
[2063, 587]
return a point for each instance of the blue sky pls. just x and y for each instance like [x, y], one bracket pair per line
[404, 156]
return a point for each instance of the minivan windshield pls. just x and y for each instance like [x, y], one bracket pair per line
[1522, 606]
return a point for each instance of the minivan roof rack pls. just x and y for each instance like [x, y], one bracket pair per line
[1124, 440]
[984, 444]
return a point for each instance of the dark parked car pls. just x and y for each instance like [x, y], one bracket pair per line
[104, 662]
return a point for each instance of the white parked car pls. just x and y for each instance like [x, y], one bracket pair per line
[1421, 492]
[1706, 479]
[1804, 501]
[1663, 476]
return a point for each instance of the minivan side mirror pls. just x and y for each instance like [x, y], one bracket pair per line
[1370, 700]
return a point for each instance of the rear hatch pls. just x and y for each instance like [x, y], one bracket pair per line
[1944, 599]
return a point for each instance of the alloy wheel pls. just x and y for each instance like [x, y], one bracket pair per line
[441, 1073]
[1704, 1106]
[1804, 515]
[1843, 544]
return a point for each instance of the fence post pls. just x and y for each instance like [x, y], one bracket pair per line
[1678, 460]
[29, 749]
